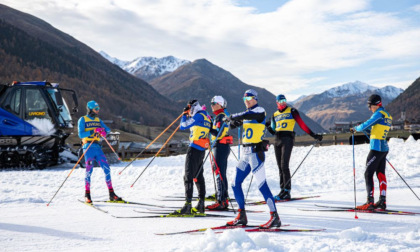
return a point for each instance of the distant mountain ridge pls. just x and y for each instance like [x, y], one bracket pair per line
[202, 80]
[147, 68]
[408, 102]
[32, 49]
[347, 102]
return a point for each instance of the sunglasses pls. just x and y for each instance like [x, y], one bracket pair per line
[281, 101]
[248, 98]
[214, 103]
[96, 108]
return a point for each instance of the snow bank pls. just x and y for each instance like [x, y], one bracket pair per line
[27, 224]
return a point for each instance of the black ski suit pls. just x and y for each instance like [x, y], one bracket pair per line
[221, 152]
[281, 125]
[199, 125]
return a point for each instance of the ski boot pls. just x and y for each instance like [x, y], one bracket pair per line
[219, 206]
[113, 196]
[87, 198]
[211, 197]
[368, 205]
[286, 195]
[381, 203]
[283, 195]
[240, 220]
[199, 208]
[186, 209]
[278, 196]
[274, 221]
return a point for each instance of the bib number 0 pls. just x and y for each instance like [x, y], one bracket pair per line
[249, 133]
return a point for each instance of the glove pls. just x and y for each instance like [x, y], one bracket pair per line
[273, 132]
[227, 119]
[352, 130]
[100, 131]
[187, 109]
[236, 123]
[318, 137]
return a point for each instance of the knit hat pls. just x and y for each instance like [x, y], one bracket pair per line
[219, 100]
[251, 92]
[92, 105]
[375, 100]
[280, 97]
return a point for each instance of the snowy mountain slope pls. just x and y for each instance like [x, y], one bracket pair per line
[148, 68]
[27, 224]
[360, 88]
[351, 88]
[344, 103]
[113, 60]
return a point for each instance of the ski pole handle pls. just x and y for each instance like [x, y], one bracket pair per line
[110, 146]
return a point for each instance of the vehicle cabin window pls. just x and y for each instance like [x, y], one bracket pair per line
[36, 107]
[12, 102]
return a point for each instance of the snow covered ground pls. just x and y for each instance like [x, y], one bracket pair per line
[27, 224]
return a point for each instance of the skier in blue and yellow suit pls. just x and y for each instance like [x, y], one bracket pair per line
[199, 123]
[253, 121]
[378, 126]
[91, 128]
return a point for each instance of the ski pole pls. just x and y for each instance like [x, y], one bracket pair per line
[138, 155]
[110, 146]
[396, 171]
[234, 155]
[299, 165]
[169, 138]
[402, 179]
[214, 173]
[205, 159]
[70, 172]
[239, 143]
[211, 147]
[217, 172]
[249, 187]
[354, 179]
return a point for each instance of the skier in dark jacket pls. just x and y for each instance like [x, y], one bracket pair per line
[199, 123]
[221, 151]
[282, 124]
[90, 129]
[253, 121]
[378, 127]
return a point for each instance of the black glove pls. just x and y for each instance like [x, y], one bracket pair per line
[271, 130]
[352, 130]
[236, 123]
[187, 109]
[318, 137]
[191, 102]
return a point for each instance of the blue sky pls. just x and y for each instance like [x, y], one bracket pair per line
[295, 47]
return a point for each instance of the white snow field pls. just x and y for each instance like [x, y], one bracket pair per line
[28, 224]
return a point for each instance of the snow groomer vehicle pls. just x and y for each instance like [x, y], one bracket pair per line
[35, 121]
